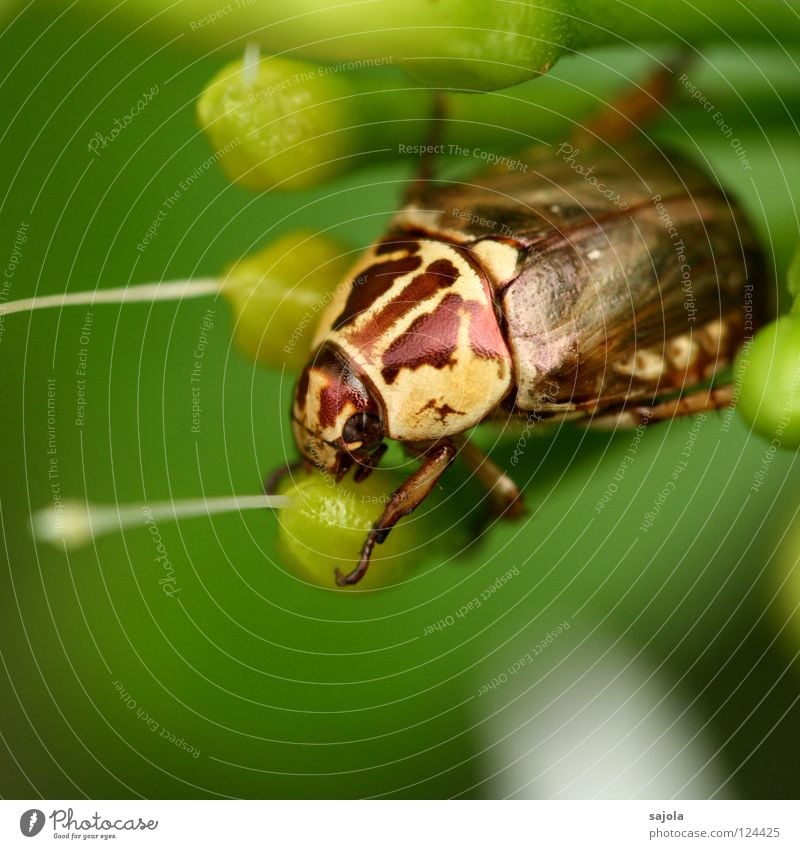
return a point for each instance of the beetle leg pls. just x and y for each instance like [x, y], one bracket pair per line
[504, 494]
[433, 138]
[405, 499]
[687, 405]
[274, 479]
[635, 108]
[367, 467]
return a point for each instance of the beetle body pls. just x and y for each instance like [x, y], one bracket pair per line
[577, 289]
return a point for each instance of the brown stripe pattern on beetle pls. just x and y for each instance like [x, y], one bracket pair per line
[431, 338]
[372, 283]
[420, 321]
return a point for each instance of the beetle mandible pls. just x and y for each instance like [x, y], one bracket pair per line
[608, 284]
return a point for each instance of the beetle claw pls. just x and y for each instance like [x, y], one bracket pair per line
[353, 577]
[366, 466]
[344, 467]
[363, 564]
[362, 473]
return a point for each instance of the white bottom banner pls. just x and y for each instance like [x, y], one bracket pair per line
[402, 824]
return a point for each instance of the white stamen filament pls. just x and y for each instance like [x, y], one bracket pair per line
[252, 56]
[75, 523]
[172, 290]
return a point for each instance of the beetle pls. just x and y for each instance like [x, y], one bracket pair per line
[597, 282]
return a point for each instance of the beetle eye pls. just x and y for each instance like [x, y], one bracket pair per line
[364, 428]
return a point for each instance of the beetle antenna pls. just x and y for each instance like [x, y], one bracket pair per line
[75, 523]
[170, 290]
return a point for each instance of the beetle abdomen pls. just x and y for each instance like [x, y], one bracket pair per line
[622, 277]
[583, 308]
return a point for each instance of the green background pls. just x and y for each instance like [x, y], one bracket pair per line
[289, 690]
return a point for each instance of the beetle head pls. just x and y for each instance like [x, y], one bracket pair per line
[336, 417]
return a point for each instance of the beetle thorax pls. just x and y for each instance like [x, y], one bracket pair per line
[418, 320]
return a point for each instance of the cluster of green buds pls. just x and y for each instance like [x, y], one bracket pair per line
[297, 124]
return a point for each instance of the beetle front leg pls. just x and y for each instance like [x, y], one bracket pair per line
[273, 481]
[404, 500]
[634, 108]
[504, 494]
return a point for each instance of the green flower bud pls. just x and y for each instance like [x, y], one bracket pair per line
[277, 123]
[279, 293]
[793, 280]
[768, 372]
[326, 523]
[325, 526]
[280, 123]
